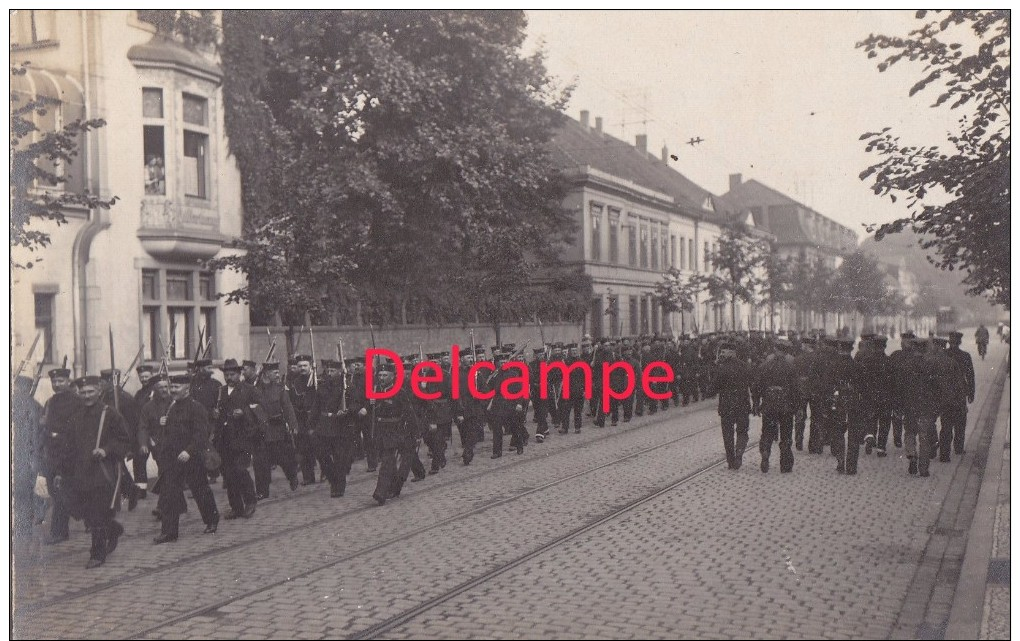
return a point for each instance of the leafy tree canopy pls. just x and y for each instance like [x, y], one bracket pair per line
[958, 196]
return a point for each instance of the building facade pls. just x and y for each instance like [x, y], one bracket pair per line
[137, 268]
[637, 217]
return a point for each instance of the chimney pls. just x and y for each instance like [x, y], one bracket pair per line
[735, 180]
[598, 124]
[665, 154]
[584, 118]
[641, 142]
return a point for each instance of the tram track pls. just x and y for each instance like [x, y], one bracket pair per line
[119, 581]
[212, 608]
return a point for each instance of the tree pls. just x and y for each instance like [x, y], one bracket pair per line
[36, 158]
[859, 286]
[777, 285]
[959, 197]
[737, 264]
[397, 152]
[677, 292]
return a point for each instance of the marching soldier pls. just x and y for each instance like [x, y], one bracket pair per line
[333, 429]
[843, 382]
[542, 405]
[91, 467]
[129, 409]
[775, 397]
[919, 407]
[147, 378]
[237, 429]
[873, 366]
[438, 415]
[950, 386]
[58, 419]
[396, 430]
[954, 418]
[733, 383]
[802, 363]
[357, 400]
[182, 435]
[898, 370]
[277, 446]
[574, 382]
[204, 388]
[981, 338]
[302, 396]
[470, 411]
[249, 371]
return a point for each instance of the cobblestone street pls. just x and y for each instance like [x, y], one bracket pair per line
[549, 544]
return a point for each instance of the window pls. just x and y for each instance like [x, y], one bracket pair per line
[632, 244]
[152, 103]
[683, 253]
[195, 109]
[644, 315]
[672, 258]
[207, 286]
[644, 245]
[634, 321]
[44, 325]
[596, 316]
[32, 26]
[172, 313]
[707, 257]
[195, 150]
[691, 257]
[655, 246]
[153, 142]
[596, 232]
[656, 328]
[614, 233]
[664, 240]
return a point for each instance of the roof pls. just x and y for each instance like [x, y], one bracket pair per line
[785, 220]
[574, 145]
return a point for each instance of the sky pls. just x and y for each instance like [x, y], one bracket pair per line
[778, 96]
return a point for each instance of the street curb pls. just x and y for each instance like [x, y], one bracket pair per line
[967, 612]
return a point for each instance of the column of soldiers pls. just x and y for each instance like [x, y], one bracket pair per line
[197, 428]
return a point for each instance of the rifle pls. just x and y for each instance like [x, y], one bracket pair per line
[131, 367]
[375, 362]
[199, 348]
[315, 375]
[31, 351]
[35, 379]
[262, 366]
[114, 378]
[343, 375]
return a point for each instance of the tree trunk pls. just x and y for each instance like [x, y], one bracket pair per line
[733, 311]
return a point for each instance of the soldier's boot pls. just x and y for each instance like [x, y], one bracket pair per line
[922, 467]
[880, 452]
[869, 443]
[764, 464]
[912, 468]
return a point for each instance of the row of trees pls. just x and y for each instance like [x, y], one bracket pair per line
[396, 162]
[750, 270]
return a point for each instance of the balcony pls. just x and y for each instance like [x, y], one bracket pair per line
[178, 232]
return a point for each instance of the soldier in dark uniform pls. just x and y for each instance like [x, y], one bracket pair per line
[734, 381]
[277, 446]
[147, 378]
[954, 417]
[775, 397]
[821, 385]
[149, 424]
[470, 411]
[617, 382]
[555, 383]
[542, 405]
[627, 354]
[673, 359]
[688, 372]
[843, 382]
[91, 467]
[574, 382]
[129, 409]
[333, 428]
[802, 368]
[981, 338]
[950, 386]
[875, 380]
[58, 418]
[437, 415]
[357, 399]
[898, 368]
[237, 428]
[919, 407]
[204, 388]
[302, 396]
[396, 428]
[181, 435]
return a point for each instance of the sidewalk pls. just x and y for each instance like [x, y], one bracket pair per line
[981, 603]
